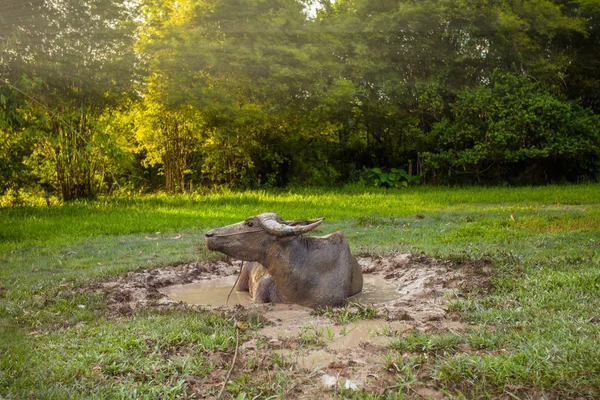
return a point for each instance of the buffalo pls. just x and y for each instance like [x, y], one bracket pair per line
[283, 266]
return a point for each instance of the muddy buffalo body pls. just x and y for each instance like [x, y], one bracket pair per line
[282, 266]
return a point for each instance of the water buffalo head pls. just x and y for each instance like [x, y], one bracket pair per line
[250, 239]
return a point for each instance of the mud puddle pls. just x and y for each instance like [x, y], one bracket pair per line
[214, 292]
[410, 293]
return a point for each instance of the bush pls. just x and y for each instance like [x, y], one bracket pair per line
[393, 178]
[513, 130]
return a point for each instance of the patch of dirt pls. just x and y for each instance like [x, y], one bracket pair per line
[140, 289]
[423, 284]
[321, 354]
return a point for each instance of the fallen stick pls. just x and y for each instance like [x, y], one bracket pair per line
[237, 337]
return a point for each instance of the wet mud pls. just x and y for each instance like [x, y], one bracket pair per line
[217, 292]
[409, 292]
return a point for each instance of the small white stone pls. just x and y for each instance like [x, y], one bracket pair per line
[328, 380]
[348, 384]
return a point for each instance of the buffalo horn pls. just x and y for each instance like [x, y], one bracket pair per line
[278, 229]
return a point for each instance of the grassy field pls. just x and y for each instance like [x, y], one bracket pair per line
[539, 323]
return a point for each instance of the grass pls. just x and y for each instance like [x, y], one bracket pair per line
[353, 311]
[149, 354]
[538, 326]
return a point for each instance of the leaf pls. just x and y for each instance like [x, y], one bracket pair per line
[404, 174]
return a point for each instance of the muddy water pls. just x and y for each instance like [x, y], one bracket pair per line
[214, 292]
[211, 292]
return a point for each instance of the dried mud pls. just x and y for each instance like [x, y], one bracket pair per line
[322, 355]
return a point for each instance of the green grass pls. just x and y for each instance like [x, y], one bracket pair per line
[353, 311]
[149, 354]
[538, 329]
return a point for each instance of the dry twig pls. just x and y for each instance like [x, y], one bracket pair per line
[237, 338]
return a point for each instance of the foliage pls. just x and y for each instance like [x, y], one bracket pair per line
[514, 130]
[263, 93]
[15, 145]
[394, 178]
[171, 139]
[65, 64]
[73, 152]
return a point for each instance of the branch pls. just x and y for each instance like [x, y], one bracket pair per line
[237, 337]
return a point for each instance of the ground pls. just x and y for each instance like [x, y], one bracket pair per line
[327, 349]
[83, 311]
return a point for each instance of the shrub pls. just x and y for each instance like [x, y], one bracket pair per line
[394, 178]
[513, 130]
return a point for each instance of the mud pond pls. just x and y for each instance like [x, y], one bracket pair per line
[409, 293]
[214, 292]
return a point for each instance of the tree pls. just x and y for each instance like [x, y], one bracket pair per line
[75, 58]
[98, 93]
[408, 61]
[242, 66]
[170, 139]
[514, 130]
[14, 145]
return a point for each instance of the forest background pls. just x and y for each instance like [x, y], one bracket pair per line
[106, 96]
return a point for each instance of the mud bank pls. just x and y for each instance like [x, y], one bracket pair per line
[331, 354]
[141, 289]
[421, 285]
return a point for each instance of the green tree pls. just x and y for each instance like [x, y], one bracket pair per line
[242, 65]
[169, 139]
[73, 59]
[514, 130]
[99, 93]
[15, 146]
[582, 75]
